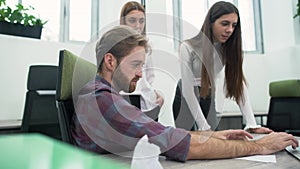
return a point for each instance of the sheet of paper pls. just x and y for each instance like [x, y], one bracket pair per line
[146, 155]
[260, 158]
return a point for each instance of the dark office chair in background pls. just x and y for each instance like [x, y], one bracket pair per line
[284, 110]
[73, 73]
[40, 112]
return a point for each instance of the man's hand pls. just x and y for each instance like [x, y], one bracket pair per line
[274, 142]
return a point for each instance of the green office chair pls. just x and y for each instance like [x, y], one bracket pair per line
[40, 113]
[73, 73]
[284, 110]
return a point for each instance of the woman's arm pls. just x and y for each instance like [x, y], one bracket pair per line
[247, 111]
[149, 70]
[188, 87]
[248, 115]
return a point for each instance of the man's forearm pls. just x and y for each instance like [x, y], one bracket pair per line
[203, 147]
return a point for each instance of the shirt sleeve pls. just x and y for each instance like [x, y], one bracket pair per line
[247, 111]
[149, 70]
[220, 92]
[133, 123]
[188, 86]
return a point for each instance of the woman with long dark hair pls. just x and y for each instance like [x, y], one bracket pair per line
[212, 70]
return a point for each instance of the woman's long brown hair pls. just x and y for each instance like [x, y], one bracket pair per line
[231, 52]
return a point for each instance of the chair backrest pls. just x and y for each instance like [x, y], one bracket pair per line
[284, 110]
[73, 73]
[40, 112]
[284, 113]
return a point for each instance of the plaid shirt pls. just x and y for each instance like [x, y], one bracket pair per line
[106, 122]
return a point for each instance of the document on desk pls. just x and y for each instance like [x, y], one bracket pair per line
[146, 155]
[260, 158]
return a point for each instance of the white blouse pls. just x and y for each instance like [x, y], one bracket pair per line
[191, 65]
[144, 86]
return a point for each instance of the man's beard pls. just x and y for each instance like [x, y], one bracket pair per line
[121, 82]
[132, 86]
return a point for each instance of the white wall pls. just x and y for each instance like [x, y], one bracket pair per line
[280, 61]
[16, 55]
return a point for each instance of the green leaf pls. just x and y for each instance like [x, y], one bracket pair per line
[20, 14]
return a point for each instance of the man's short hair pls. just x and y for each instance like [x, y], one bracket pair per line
[119, 41]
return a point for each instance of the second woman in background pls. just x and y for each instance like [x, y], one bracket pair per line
[211, 69]
[133, 15]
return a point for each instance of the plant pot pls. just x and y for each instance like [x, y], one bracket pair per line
[20, 30]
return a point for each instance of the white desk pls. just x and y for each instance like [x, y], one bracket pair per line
[283, 161]
[239, 114]
[9, 124]
[237, 117]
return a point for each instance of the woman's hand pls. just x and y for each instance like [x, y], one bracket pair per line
[260, 130]
[232, 135]
[159, 99]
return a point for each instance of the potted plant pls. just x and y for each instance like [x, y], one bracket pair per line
[298, 9]
[19, 21]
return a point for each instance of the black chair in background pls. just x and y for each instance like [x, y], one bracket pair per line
[40, 112]
[73, 73]
[284, 110]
